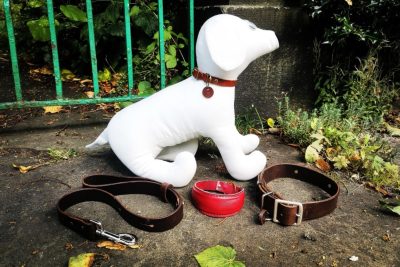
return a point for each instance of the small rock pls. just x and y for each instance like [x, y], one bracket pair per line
[309, 236]
[353, 258]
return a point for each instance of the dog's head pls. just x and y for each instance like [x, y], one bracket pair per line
[227, 44]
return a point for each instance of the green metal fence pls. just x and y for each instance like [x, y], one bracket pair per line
[60, 100]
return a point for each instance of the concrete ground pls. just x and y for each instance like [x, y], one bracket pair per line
[31, 234]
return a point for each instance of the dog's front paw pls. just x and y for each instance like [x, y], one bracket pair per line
[250, 167]
[249, 143]
[184, 169]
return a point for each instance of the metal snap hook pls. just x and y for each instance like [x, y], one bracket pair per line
[125, 239]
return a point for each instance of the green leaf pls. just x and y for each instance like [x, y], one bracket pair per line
[170, 61]
[311, 154]
[150, 48]
[104, 75]
[218, 256]
[393, 131]
[340, 162]
[145, 88]
[40, 29]
[125, 104]
[134, 11]
[175, 80]
[82, 260]
[172, 50]
[392, 205]
[73, 13]
[35, 3]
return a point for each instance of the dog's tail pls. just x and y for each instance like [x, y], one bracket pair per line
[100, 141]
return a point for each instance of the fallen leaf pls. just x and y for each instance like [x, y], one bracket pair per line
[89, 94]
[111, 245]
[68, 246]
[52, 109]
[67, 74]
[218, 256]
[322, 165]
[23, 169]
[386, 237]
[379, 189]
[349, 2]
[82, 260]
[255, 131]
[44, 71]
[85, 81]
[393, 131]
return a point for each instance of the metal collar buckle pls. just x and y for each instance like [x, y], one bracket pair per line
[125, 239]
[299, 214]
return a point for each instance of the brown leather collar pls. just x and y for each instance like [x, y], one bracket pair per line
[207, 78]
[285, 212]
[104, 188]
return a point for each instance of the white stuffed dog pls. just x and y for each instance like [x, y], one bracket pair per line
[157, 137]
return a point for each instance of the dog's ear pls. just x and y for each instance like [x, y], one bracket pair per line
[226, 49]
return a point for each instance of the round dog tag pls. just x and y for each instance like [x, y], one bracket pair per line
[208, 92]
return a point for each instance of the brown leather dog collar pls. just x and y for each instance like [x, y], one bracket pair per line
[104, 188]
[285, 212]
[207, 78]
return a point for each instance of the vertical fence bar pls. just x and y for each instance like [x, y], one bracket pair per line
[128, 46]
[92, 44]
[54, 49]
[13, 50]
[191, 34]
[161, 41]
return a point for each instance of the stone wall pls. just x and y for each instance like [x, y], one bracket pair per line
[286, 71]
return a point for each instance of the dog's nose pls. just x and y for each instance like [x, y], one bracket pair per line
[271, 40]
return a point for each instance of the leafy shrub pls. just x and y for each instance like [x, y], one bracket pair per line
[351, 31]
[331, 140]
[32, 36]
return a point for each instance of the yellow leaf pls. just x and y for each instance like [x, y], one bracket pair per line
[271, 122]
[89, 94]
[349, 2]
[82, 260]
[111, 245]
[44, 71]
[85, 81]
[67, 74]
[52, 109]
[22, 169]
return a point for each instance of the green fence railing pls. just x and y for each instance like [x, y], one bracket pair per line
[60, 99]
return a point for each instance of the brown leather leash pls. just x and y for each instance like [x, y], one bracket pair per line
[286, 212]
[105, 188]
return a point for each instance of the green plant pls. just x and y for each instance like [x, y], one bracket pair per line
[32, 28]
[58, 154]
[249, 121]
[350, 37]
[369, 96]
[295, 125]
[331, 140]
